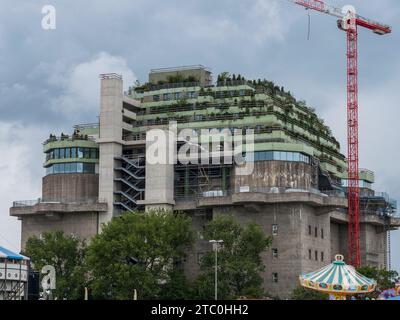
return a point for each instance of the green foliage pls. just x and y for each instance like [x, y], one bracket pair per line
[157, 239]
[385, 279]
[301, 293]
[239, 260]
[66, 254]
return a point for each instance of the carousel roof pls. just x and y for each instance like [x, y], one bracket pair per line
[7, 254]
[338, 278]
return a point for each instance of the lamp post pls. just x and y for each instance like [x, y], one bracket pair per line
[216, 244]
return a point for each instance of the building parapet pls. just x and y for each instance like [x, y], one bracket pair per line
[40, 207]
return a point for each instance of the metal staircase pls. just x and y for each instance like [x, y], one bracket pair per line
[131, 182]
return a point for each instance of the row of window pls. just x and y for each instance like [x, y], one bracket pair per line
[75, 152]
[74, 167]
[361, 184]
[193, 95]
[176, 96]
[310, 255]
[281, 156]
[315, 232]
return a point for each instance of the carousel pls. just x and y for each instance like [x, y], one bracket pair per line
[338, 279]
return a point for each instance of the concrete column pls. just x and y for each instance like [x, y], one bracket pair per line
[110, 139]
[160, 153]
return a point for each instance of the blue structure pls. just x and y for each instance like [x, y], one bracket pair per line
[14, 272]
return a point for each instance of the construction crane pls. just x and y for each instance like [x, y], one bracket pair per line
[349, 22]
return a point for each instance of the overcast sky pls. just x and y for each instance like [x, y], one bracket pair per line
[49, 78]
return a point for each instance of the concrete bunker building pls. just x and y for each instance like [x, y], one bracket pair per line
[296, 192]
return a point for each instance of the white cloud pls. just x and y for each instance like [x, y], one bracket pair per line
[80, 85]
[20, 172]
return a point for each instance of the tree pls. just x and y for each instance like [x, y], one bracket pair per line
[385, 279]
[239, 260]
[301, 293]
[66, 254]
[142, 251]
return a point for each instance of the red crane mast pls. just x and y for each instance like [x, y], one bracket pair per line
[349, 22]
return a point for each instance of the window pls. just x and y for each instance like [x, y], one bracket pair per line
[274, 229]
[309, 230]
[322, 233]
[56, 153]
[309, 254]
[200, 256]
[166, 96]
[62, 153]
[242, 92]
[316, 255]
[322, 256]
[316, 232]
[275, 253]
[80, 153]
[86, 153]
[68, 152]
[156, 97]
[177, 95]
[275, 277]
[93, 153]
[73, 152]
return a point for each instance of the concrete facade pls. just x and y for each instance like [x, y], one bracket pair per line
[299, 195]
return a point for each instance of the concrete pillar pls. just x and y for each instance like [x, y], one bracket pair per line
[110, 138]
[160, 154]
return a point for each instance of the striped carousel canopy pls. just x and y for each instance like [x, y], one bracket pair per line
[338, 278]
[7, 254]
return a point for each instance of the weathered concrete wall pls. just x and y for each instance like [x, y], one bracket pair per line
[82, 225]
[70, 187]
[373, 245]
[282, 174]
[201, 246]
[293, 241]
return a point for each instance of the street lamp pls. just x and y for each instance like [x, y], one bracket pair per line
[216, 243]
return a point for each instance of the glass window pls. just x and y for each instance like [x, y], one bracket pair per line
[277, 155]
[275, 253]
[322, 256]
[73, 167]
[316, 232]
[56, 153]
[309, 254]
[166, 96]
[68, 152]
[177, 95]
[80, 152]
[156, 98]
[316, 255]
[275, 277]
[309, 230]
[79, 167]
[296, 156]
[67, 168]
[73, 152]
[93, 153]
[290, 156]
[242, 92]
[322, 233]
[62, 153]
[87, 153]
